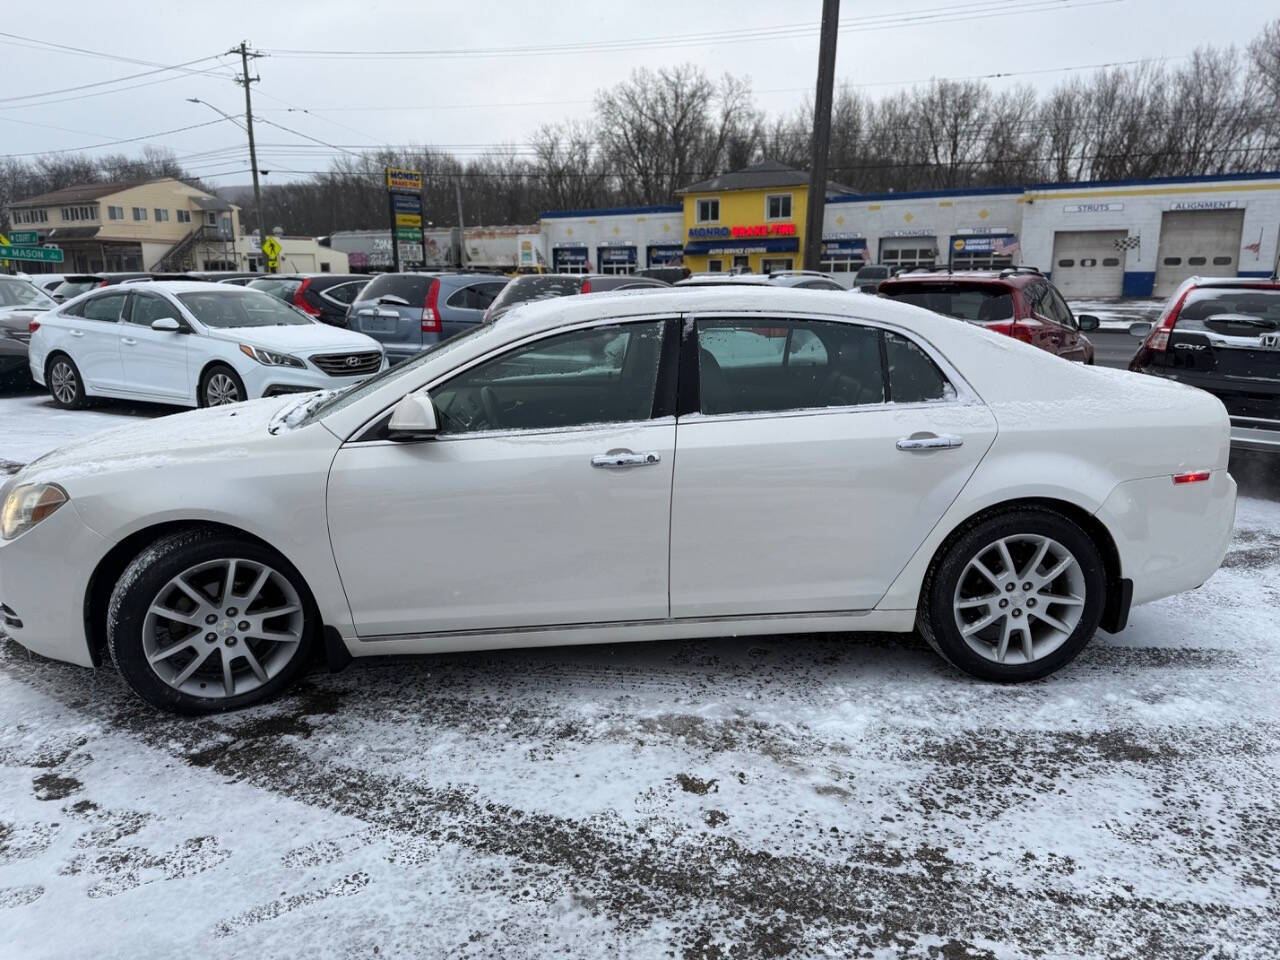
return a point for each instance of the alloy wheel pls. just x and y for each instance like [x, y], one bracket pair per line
[62, 382]
[222, 628]
[1019, 599]
[221, 390]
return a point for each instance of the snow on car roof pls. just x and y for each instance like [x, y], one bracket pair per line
[195, 286]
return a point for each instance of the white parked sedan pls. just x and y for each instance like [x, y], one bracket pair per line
[191, 343]
[674, 464]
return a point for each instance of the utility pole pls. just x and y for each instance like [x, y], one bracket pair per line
[821, 134]
[244, 79]
[462, 245]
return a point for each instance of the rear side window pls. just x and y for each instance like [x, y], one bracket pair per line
[410, 287]
[757, 366]
[107, 308]
[913, 376]
[343, 293]
[474, 297]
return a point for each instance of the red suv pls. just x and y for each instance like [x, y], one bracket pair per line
[1018, 302]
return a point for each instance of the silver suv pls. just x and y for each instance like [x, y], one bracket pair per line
[406, 312]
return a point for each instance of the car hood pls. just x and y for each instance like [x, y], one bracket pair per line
[215, 434]
[304, 339]
[18, 318]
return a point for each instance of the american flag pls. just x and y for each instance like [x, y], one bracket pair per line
[1006, 247]
[1254, 247]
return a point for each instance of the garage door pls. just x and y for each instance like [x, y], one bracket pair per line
[1197, 243]
[909, 252]
[1086, 263]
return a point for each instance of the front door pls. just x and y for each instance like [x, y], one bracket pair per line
[815, 466]
[155, 361]
[544, 500]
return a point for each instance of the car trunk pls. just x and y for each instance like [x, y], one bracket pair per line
[379, 314]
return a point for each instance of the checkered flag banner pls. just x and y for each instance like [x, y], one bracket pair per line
[1131, 242]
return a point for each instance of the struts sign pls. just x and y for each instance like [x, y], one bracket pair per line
[742, 233]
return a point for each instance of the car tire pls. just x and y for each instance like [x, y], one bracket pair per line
[223, 646]
[66, 386]
[221, 385]
[970, 605]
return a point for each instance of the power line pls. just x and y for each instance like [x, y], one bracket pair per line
[114, 143]
[103, 93]
[105, 83]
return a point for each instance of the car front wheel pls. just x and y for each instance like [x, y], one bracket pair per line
[203, 622]
[220, 386]
[1014, 597]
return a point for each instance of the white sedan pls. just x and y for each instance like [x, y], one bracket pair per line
[191, 343]
[628, 467]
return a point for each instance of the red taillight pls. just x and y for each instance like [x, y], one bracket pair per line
[1012, 329]
[104, 283]
[586, 286]
[1158, 338]
[300, 300]
[33, 326]
[1195, 476]
[431, 321]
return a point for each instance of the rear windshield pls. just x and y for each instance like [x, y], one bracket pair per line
[975, 302]
[536, 287]
[73, 288]
[279, 288]
[409, 287]
[1234, 312]
[241, 308]
[873, 273]
[20, 293]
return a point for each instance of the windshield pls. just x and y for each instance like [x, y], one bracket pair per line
[240, 308]
[535, 287]
[69, 289]
[336, 401]
[1233, 311]
[873, 273]
[279, 288]
[974, 302]
[20, 293]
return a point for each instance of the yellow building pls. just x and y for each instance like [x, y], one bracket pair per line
[748, 220]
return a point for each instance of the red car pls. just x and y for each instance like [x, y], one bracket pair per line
[1019, 302]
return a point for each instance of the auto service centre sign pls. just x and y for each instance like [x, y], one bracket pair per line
[409, 181]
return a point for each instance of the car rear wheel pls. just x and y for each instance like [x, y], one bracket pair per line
[1014, 597]
[64, 382]
[203, 622]
[220, 386]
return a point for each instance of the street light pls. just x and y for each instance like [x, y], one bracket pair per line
[253, 162]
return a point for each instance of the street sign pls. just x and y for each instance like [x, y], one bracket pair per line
[40, 254]
[22, 237]
[409, 181]
[271, 248]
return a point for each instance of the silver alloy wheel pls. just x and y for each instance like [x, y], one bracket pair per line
[245, 611]
[1019, 599]
[62, 381]
[220, 389]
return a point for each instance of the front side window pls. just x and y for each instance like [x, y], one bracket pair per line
[709, 210]
[241, 307]
[1058, 310]
[756, 366]
[107, 308]
[778, 206]
[600, 375]
[148, 308]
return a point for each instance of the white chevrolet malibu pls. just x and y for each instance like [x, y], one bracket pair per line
[665, 464]
[192, 344]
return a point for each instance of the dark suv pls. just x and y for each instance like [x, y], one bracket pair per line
[324, 296]
[1020, 303]
[543, 286]
[1223, 336]
[408, 311]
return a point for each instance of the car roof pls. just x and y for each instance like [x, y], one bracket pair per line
[1263, 282]
[195, 286]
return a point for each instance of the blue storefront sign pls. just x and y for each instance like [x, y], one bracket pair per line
[665, 255]
[406, 203]
[845, 247]
[565, 257]
[994, 245]
[617, 256]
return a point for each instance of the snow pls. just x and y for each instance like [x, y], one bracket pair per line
[1115, 314]
[31, 424]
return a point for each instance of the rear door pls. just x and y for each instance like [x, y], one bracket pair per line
[334, 299]
[805, 481]
[94, 342]
[155, 361]
[390, 309]
[465, 306]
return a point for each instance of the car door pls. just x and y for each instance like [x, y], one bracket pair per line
[466, 305]
[821, 455]
[1044, 332]
[1071, 343]
[93, 329]
[545, 498]
[155, 361]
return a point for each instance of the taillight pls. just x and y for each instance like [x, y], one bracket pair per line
[33, 326]
[586, 286]
[1158, 338]
[104, 283]
[1012, 329]
[300, 299]
[1195, 476]
[431, 321]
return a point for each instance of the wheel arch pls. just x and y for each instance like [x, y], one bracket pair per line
[207, 366]
[107, 573]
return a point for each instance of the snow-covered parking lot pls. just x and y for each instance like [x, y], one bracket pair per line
[786, 796]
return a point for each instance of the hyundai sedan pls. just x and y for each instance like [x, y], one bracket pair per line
[689, 463]
[191, 343]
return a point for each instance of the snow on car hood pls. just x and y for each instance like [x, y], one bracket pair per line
[300, 338]
[214, 434]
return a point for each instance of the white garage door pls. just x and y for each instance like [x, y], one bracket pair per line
[1086, 263]
[909, 252]
[1197, 243]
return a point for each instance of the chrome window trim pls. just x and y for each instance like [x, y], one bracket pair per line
[536, 432]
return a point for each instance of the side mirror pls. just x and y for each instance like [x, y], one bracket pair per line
[1139, 329]
[1088, 322]
[166, 325]
[414, 418]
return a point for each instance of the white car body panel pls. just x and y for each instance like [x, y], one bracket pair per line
[1104, 442]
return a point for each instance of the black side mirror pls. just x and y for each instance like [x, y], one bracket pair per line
[1088, 322]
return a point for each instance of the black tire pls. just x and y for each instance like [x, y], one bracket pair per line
[148, 574]
[209, 378]
[936, 618]
[62, 366]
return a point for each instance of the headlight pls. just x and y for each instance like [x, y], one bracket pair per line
[270, 357]
[27, 505]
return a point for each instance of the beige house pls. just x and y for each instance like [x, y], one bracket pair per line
[153, 225]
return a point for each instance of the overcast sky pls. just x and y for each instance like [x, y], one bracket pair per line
[478, 100]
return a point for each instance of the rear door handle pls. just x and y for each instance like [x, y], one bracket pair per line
[129, 341]
[942, 441]
[76, 333]
[621, 459]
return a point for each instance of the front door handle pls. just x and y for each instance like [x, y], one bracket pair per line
[941, 441]
[129, 341]
[621, 459]
[76, 333]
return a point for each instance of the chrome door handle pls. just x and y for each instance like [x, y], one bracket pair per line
[618, 459]
[129, 341]
[76, 333]
[943, 441]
